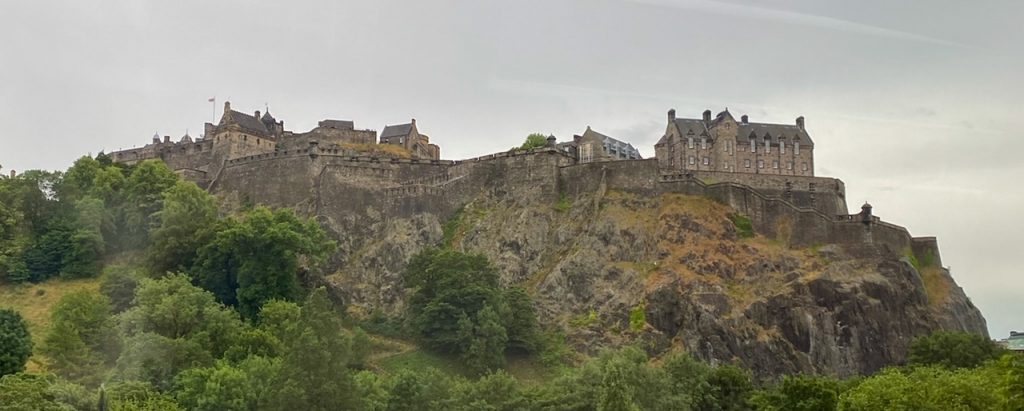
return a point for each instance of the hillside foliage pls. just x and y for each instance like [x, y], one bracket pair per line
[193, 307]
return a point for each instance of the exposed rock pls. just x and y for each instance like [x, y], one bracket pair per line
[702, 289]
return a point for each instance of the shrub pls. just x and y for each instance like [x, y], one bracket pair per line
[744, 227]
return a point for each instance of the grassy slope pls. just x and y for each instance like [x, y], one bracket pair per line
[34, 302]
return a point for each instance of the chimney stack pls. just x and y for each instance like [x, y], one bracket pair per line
[257, 114]
[744, 119]
[707, 116]
[167, 139]
[671, 115]
[414, 122]
[227, 106]
[800, 122]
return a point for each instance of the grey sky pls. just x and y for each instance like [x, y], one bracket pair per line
[916, 105]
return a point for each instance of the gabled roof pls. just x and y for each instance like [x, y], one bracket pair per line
[397, 130]
[247, 122]
[688, 125]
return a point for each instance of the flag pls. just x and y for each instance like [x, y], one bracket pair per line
[212, 99]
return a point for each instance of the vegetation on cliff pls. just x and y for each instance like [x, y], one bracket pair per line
[143, 295]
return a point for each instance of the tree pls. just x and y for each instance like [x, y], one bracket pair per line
[82, 339]
[31, 392]
[534, 140]
[118, 283]
[174, 308]
[799, 393]
[520, 320]
[15, 342]
[487, 342]
[186, 218]
[227, 387]
[256, 258]
[926, 388]
[144, 193]
[953, 350]
[314, 369]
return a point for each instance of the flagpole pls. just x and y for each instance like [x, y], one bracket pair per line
[213, 116]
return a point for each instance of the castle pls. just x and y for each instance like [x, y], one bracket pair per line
[338, 172]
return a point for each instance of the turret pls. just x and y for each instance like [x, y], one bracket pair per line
[865, 213]
[744, 119]
[551, 141]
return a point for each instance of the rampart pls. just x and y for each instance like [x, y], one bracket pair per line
[334, 184]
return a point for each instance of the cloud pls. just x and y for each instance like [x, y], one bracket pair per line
[800, 19]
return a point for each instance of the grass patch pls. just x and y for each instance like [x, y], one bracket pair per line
[936, 285]
[637, 318]
[744, 227]
[453, 227]
[419, 360]
[563, 204]
[912, 258]
[585, 320]
[34, 302]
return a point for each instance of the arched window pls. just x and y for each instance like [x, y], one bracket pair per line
[796, 147]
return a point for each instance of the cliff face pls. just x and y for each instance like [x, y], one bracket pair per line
[671, 272]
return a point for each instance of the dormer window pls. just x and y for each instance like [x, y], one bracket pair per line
[767, 146]
[796, 148]
[753, 146]
[689, 142]
[782, 146]
[703, 144]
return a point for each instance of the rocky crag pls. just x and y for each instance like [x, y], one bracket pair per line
[616, 254]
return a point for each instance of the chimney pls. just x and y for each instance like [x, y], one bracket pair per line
[707, 116]
[744, 119]
[414, 122]
[167, 139]
[227, 106]
[671, 115]
[800, 122]
[257, 114]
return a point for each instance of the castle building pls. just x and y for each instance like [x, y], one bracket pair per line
[408, 136]
[594, 146]
[240, 135]
[726, 145]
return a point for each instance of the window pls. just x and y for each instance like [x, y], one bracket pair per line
[767, 146]
[707, 161]
[689, 142]
[746, 163]
[789, 165]
[753, 146]
[725, 166]
[692, 161]
[775, 164]
[796, 148]
[782, 147]
[586, 153]
[760, 163]
[703, 144]
[805, 166]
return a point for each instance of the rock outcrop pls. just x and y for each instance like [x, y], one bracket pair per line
[670, 272]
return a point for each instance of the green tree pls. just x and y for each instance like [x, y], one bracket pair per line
[186, 218]
[22, 392]
[82, 339]
[953, 350]
[144, 194]
[496, 391]
[520, 320]
[174, 308]
[256, 259]
[314, 369]
[925, 388]
[15, 342]
[487, 342]
[118, 283]
[534, 140]
[799, 393]
[227, 387]
[410, 390]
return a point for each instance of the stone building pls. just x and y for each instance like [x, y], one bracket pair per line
[594, 146]
[724, 144]
[408, 136]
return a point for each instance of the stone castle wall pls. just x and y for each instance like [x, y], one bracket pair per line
[332, 184]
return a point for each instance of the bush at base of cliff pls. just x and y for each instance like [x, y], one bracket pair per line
[953, 350]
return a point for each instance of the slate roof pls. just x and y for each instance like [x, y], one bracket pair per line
[792, 133]
[249, 123]
[687, 125]
[396, 130]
